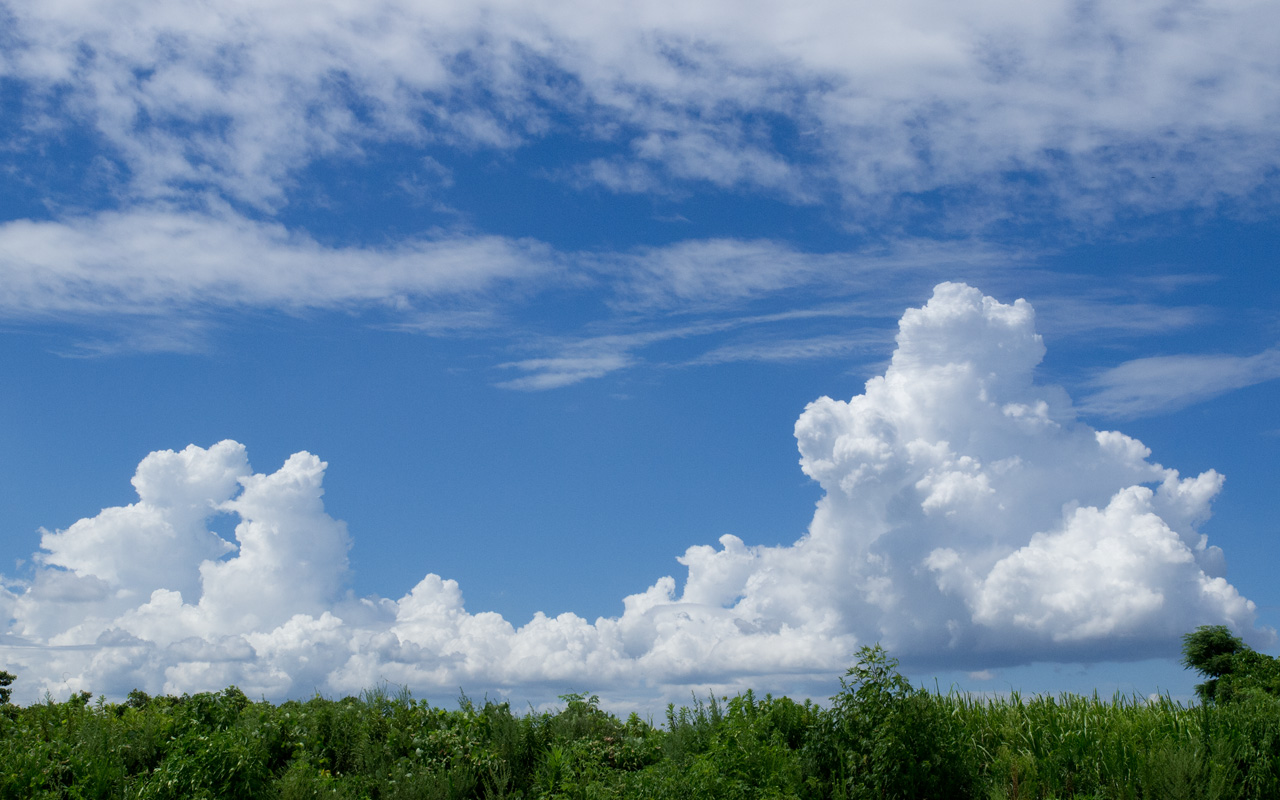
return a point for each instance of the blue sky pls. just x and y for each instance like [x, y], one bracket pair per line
[549, 289]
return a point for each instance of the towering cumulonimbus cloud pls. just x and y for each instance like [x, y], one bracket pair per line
[969, 519]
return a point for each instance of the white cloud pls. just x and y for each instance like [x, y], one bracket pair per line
[969, 521]
[554, 373]
[707, 281]
[788, 350]
[714, 272]
[156, 278]
[1091, 316]
[710, 274]
[1168, 383]
[1107, 107]
[156, 260]
[577, 360]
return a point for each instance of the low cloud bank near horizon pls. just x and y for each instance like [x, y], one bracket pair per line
[969, 521]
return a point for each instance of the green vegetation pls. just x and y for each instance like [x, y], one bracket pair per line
[879, 738]
[6, 678]
[1234, 669]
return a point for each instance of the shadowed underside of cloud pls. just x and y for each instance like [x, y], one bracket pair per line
[969, 520]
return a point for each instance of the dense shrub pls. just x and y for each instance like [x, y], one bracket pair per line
[880, 737]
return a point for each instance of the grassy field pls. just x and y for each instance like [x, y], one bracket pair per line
[878, 738]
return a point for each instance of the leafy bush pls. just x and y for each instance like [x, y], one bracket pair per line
[886, 739]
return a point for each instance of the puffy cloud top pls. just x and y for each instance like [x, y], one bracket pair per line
[969, 520]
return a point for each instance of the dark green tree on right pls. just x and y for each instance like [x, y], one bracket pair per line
[1235, 670]
[6, 678]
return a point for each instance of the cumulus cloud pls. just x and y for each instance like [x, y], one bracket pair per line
[969, 520]
[1105, 107]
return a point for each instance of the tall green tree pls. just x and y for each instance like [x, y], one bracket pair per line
[6, 678]
[1234, 669]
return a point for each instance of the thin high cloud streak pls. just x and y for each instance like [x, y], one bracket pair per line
[1092, 109]
[1167, 383]
[157, 277]
[591, 357]
[158, 261]
[969, 520]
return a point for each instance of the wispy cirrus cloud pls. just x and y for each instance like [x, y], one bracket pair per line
[575, 359]
[800, 349]
[1161, 384]
[704, 275]
[155, 276]
[1118, 314]
[566, 370]
[157, 260]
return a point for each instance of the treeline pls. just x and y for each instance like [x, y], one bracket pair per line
[878, 738]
